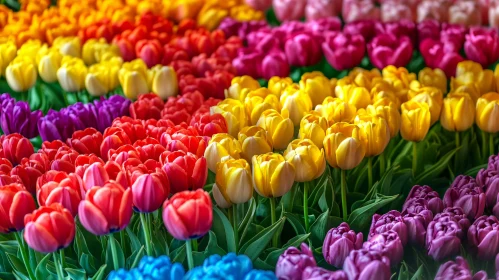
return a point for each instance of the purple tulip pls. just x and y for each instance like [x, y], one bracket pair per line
[82, 115]
[489, 180]
[431, 197]
[292, 262]
[428, 29]
[456, 214]
[416, 226]
[339, 243]
[463, 181]
[470, 197]
[55, 126]
[388, 244]
[386, 49]
[497, 266]
[392, 220]
[415, 206]
[398, 29]
[18, 118]
[493, 163]
[109, 109]
[322, 25]
[483, 237]
[275, 64]
[344, 51]
[362, 27]
[483, 176]
[443, 238]
[458, 270]
[303, 50]
[367, 265]
[319, 273]
[482, 45]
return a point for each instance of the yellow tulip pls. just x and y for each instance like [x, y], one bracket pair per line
[221, 146]
[279, 127]
[297, 102]
[472, 89]
[496, 77]
[416, 88]
[317, 86]
[258, 101]
[71, 75]
[273, 176]
[391, 115]
[238, 84]
[245, 13]
[210, 16]
[487, 112]
[277, 85]
[8, 52]
[332, 84]
[374, 132]
[364, 78]
[383, 93]
[68, 46]
[307, 158]
[343, 146]
[313, 126]
[163, 81]
[471, 72]
[184, 9]
[233, 183]
[95, 51]
[49, 61]
[415, 120]
[30, 49]
[433, 78]
[336, 110]
[102, 78]
[21, 73]
[400, 79]
[234, 113]
[433, 103]
[254, 142]
[133, 78]
[458, 112]
[357, 96]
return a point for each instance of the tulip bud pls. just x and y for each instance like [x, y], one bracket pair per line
[16, 147]
[281, 179]
[277, 85]
[72, 74]
[469, 197]
[313, 126]
[45, 239]
[458, 113]
[8, 52]
[387, 49]
[392, 220]
[482, 236]
[363, 264]
[187, 171]
[16, 203]
[95, 51]
[233, 184]
[275, 64]
[297, 102]
[435, 204]
[487, 112]
[234, 113]
[70, 46]
[259, 101]
[374, 132]
[317, 86]
[338, 244]
[434, 105]
[336, 110]
[388, 244]
[415, 121]
[390, 114]
[192, 206]
[433, 78]
[292, 262]
[66, 192]
[279, 127]
[357, 96]
[469, 72]
[133, 78]
[254, 142]
[221, 145]
[163, 81]
[149, 191]
[316, 272]
[458, 269]
[466, 13]
[48, 64]
[355, 10]
[416, 226]
[337, 47]
[21, 73]
[343, 146]
[238, 84]
[302, 50]
[307, 159]
[102, 78]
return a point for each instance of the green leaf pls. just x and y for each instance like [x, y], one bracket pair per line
[212, 248]
[360, 218]
[76, 274]
[99, 275]
[135, 242]
[319, 228]
[436, 169]
[179, 254]
[248, 218]
[223, 230]
[41, 271]
[473, 171]
[418, 274]
[17, 264]
[257, 244]
[134, 259]
[296, 222]
[87, 262]
[259, 264]
[273, 256]
[34, 99]
[119, 252]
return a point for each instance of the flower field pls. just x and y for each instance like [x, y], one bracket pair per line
[249, 139]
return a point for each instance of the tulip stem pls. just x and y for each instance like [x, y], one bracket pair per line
[58, 267]
[114, 252]
[195, 245]
[458, 140]
[344, 195]
[382, 164]
[63, 257]
[491, 144]
[370, 172]
[147, 235]
[188, 248]
[484, 145]
[235, 225]
[414, 158]
[122, 241]
[305, 205]
[273, 220]
[24, 253]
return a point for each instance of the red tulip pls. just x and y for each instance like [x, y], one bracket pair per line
[106, 209]
[248, 63]
[49, 228]
[173, 53]
[386, 49]
[5, 166]
[175, 114]
[16, 147]
[428, 29]
[116, 137]
[188, 214]
[135, 129]
[15, 203]
[127, 50]
[64, 160]
[186, 143]
[150, 51]
[27, 173]
[400, 28]
[86, 141]
[65, 192]
[84, 161]
[366, 28]
[344, 51]
[123, 153]
[150, 191]
[185, 170]
[51, 148]
[95, 175]
[156, 127]
[149, 148]
[207, 124]
[7, 180]
[147, 106]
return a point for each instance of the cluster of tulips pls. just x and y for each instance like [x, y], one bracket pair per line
[273, 51]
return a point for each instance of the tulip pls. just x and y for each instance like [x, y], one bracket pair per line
[281, 179]
[21, 73]
[16, 203]
[390, 114]
[392, 220]
[66, 192]
[488, 53]
[386, 50]
[234, 113]
[278, 127]
[415, 121]
[388, 244]
[48, 63]
[102, 78]
[95, 175]
[261, 5]
[470, 197]
[357, 96]
[254, 142]
[313, 126]
[320, 10]
[416, 226]
[355, 10]
[468, 72]
[458, 269]
[338, 244]
[48, 239]
[442, 239]
[150, 51]
[339, 46]
[293, 262]
[192, 206]
[208, 125]
[274, 64]
[487, 112]
[336, 110]
[435, 204]
[15, 147]
[239, 84]
[17, 118]
[286, 10]
[363, 264]
[302, 50]
[86, 141]
[393, 11]
[72, 74]
[482, 236]
[493, 14]
[259, 101]
[307, 159]
[233, 184]
[163, 81]
[297, 102]
[433, 78]
[8, 52]
[458, 113]
[185, 171]
[277, 85]
[466, 13]
[149, 191]
[316, 85]
[221, 145]
[443, 55]
[374, 132]
[150, 267]
[455, 214]
[343, 146]
[315, 272]
[70, 46]
[133, 78]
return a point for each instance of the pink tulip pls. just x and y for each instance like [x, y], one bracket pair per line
[317, 9]
[263, 41]
[248, 62]
[398, 29]
[362, 27]
[466, 13]
[386, 49]
[434, 9]
[149, 191]
[286, 10]
[395, 11]
[428, 29]
[261, 5]
[344, 51]
[443, 55]
[303, 50]
[275, 64]
[493, 13]
[453, 33]
[354, 10]
[482, 46]
[319, 26]
[95, 175]
[485, 5]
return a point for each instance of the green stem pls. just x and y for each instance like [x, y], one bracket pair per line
[344, 195]
[458, 140]
[414, 158]
[370, 172]
[491, 144]
[24, 254]
[235, 223]
[484, 145]
[273, 220]
[382, 163]
[114, 252]
[63, 257]
[58, 267]
[305, 205]
[122, 242]
[190, 260]
[147, 235]
[194, 244]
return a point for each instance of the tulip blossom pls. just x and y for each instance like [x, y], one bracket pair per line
[482, 46]
[363, 264]
[308, 160]
[458, 113]
[364, 27]
[435, 10]
[72, 74]
[482, 236]
[66, 192]
[133, 78]
[317, 9]
[386, 49]
[21, 73]
[466, 13]
[254, 142]
[469, 197]
[337, 47]
[303, 50]
[487, 112]
[150, 191]
[16, 147]
[274, 64]
[354, 10]
[8, 51]
[16, 203]
[49, 62]
[185, 170]
[293, 262]
[458, 269]
[388, 244]
[287, 10]
[233, 183]
[102, 77]
[415, 120]
[338, 244]
[281, 180]
[432, 198]
[443, 238]
[18, 118]
[392, 220]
